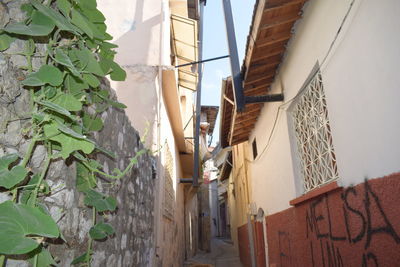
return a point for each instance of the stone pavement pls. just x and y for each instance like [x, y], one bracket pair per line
[222, 254]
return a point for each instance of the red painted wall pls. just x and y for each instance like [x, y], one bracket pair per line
[259, 245]
[354, 226]
[244, 246]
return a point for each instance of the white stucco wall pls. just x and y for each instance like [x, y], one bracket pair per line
[135, 26]
[361, 86]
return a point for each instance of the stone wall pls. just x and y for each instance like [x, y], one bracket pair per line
[133, 241]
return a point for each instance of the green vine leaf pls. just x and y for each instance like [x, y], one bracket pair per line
[62, 58]
[89, 4]
[106, 152]
[56, 108]
[92, 80]
[92, 124]
[70, 132]
[118, 73]
[50, 91]
[81, 22]
[68, 143]
[39, 26]
[28, 9]
[101, 230]
[44, 258]
[85, 179]
[117, 104]
[64, 6]
[19, 224]
[99, 201]
[75, 86]
[82, 258]
[68, 102]
[61, 22]
[5, 41]
[45, 75]
[93, 15]
[89, 61]
[44, 188]
[10, 178]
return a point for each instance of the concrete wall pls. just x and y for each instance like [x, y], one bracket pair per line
[242, 182]
[136, 28]
[364, 128]
[141, 30]
[232, 212]
[191, 222]
[214, 207]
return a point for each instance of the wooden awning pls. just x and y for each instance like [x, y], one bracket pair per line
[211, 113]
[184, 35]
[270, 31]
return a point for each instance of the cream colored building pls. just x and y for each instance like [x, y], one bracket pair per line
[153, 37]
[332, 140]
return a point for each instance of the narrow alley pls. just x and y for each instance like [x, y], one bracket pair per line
[195, 133]
[223, 254]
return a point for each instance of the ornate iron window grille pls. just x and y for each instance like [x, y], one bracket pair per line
[313, 136]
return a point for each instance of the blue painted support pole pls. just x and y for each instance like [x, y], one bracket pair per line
[233, 52]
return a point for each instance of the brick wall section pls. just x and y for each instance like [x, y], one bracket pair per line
[133, 242]
[354, 226]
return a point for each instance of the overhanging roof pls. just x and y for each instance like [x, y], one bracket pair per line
[270, 31]
[211, 113]
[184, 34]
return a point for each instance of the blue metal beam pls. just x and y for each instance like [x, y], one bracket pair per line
[235, 66]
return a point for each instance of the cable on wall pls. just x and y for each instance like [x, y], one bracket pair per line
[307, 83]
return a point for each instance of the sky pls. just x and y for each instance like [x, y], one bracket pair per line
[215, 45]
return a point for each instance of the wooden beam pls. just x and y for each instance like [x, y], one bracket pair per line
[269, 72]
[246, 120]
[274, 52]
[283, 5]
[272, 40]
[259, 78]
[280, 21]
[262, 68]
[241, 130]
[237, 142]
[240, 138]
[254, 92]
[249, 114]
[259, 11]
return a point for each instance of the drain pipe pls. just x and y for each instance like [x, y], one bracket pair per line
[196, 171]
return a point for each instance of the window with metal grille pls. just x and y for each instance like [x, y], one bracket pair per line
[313, 136]
[168, 184]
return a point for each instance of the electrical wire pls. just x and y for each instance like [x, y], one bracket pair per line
[305, 86]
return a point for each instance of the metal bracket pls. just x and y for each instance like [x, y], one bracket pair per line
[263, 98]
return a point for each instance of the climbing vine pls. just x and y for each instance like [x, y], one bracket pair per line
[65, 103]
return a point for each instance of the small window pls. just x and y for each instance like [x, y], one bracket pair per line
[313, 136]
[254, 145]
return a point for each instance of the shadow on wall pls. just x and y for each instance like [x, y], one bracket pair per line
[138, 54]
[139, 94]
[141, 44]
[178, 214]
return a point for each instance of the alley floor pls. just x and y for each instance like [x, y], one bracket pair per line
[223, 254]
